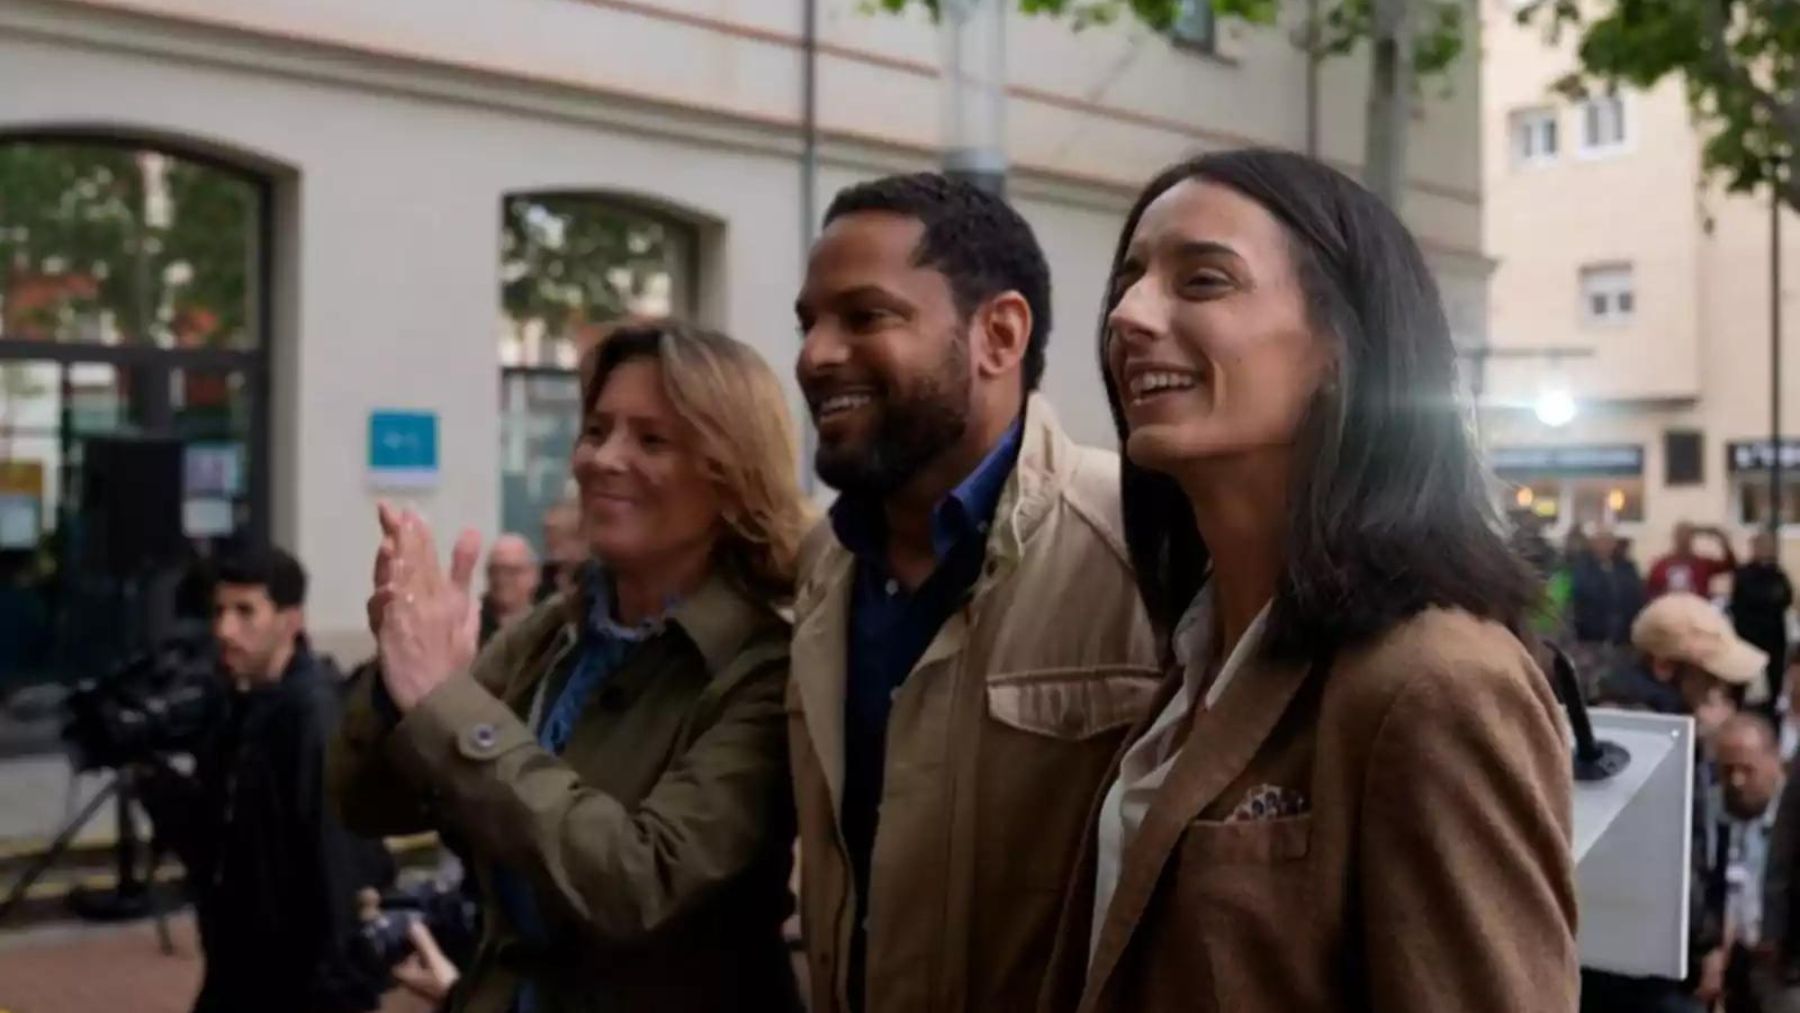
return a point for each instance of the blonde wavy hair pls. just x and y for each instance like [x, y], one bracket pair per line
[730, 400]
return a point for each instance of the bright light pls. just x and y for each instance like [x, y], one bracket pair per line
[1615, 500]
[1555, 408]
[1524, 497]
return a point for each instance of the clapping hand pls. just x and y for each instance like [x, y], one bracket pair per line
[426, 623]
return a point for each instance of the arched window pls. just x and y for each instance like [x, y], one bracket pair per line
[132, 328]
[570, 264]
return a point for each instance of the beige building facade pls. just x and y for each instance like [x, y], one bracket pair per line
[1633, 291]
[384, 139]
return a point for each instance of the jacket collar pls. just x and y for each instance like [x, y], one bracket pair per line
[1047, 457]
[717, 618]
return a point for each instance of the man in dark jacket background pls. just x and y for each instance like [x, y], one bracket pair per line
[1760, 597]
[272, 875]
[1605, 593]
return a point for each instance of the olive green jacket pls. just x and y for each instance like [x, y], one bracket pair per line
[657, 846]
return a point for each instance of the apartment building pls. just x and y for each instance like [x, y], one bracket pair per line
[1627, 380]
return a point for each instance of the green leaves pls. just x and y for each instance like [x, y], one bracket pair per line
[1439, 33]
[1738, 59]
[574, 260]
[169, 262]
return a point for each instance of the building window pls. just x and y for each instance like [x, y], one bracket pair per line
[1534, 137]
[132, 316]
[1540, 497]
[1196, 26]
[1752, 495]
[1749, 462]
[1584, 501]
[1603, 127]
[570, 265]
[1608, 296]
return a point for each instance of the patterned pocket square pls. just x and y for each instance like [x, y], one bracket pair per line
[1269, 802]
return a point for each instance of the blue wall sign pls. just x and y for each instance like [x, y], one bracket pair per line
[403, 449]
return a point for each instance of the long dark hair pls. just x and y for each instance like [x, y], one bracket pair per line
[1391, 510]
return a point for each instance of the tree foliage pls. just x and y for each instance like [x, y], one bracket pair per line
[571, 260]
[1738, 59]
[164, 246]
[1438, 32]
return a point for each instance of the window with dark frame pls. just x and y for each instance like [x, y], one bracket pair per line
[571, 264]
[132, 308]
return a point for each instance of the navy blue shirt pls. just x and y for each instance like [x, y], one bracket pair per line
[890, 628]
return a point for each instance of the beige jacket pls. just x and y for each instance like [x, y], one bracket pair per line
[996, 744]
[1429, 871]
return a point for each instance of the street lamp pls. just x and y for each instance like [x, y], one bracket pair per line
[973, 36]
[1555, 407]
[1553, 403]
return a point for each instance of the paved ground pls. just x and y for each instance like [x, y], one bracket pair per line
[108, 969]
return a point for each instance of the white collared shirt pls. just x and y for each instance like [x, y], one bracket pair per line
[1148, 761]
[1746, 866]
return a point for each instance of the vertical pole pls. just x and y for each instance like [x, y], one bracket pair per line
[1775, 496]
[972, 40]
[809, 181]
[1312, 78]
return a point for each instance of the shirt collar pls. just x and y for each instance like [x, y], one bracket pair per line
[964, 514]
[597, 589]
[1192, 645]
[717, 617]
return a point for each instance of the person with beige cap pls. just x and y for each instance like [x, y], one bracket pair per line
[1690, 662]
[1690, 647]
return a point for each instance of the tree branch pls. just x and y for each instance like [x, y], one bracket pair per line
[1735, 76]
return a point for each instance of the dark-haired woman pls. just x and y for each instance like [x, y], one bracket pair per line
[1353, 792]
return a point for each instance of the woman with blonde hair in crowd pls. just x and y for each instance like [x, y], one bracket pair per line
[616, 761]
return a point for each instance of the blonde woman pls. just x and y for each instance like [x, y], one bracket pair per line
[614, 763]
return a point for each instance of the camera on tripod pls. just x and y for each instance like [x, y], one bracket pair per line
[156, 703]
[445, 910]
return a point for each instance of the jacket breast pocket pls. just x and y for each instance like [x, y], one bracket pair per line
[1245, 891]
[1208, 844]
[1047, 740]
[1071, 706]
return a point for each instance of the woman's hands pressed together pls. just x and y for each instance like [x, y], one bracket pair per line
[426, 622]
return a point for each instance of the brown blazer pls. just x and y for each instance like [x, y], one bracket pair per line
[1431, 872]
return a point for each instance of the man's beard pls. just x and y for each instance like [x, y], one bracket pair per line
[913, 426]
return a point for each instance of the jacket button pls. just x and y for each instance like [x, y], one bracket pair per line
[483, 736]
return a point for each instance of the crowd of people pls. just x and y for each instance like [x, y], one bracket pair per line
[1244, 717]
[1706, 635]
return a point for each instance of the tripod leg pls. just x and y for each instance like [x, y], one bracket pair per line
[56, 849]
[157, 910]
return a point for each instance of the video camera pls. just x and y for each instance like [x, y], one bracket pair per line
[444, 908]
[156, 703]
